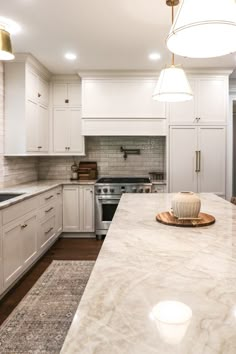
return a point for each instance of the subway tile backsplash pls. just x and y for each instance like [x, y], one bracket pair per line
[106, 151]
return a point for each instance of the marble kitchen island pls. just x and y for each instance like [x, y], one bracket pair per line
[143, 262]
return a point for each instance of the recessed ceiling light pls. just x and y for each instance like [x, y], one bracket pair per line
[9, 25]
[154, 56]
[70, 56]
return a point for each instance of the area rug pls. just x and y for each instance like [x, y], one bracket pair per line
[40, 322]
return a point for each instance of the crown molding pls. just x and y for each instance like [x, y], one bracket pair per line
[31, 60]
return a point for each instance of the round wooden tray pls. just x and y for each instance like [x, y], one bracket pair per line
[169, 219]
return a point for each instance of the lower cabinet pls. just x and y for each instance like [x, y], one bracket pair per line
[19, 246]
[197, 159]
[78, 208]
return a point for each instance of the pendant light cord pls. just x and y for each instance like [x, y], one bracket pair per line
[172, 20]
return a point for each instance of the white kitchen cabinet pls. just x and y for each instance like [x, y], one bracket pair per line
[26, 107]
[59, 212]
[197, 159]
[86, 196]
[209, 104]
[71, 217]
[67, 94]
[67, 136]
[37, 89]
[19, 247]
[37, 127]
[78, 208]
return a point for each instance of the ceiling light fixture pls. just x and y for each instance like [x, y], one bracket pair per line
[154, 56]
[70, 56]
[204, 29]
[5, 45]
[172, 85]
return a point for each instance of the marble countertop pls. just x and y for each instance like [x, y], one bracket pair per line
[143, 263]
[36, 187]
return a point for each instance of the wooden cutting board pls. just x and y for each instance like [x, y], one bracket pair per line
[169, 219]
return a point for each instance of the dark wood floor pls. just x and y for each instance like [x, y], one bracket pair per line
[63, 249]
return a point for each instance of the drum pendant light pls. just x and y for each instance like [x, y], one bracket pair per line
[172, 85]
[204, 29]
[5, 45]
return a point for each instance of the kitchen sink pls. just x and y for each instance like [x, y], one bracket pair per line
[6, 196]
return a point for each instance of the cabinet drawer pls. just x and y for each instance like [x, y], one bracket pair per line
[47, 231]
[15, 211]
[48, 197]
[47, 210]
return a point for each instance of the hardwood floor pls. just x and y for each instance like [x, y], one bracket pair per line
[63, 249]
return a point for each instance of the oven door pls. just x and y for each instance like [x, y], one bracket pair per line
[105, 209]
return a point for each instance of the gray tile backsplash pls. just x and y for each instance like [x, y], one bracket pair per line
[106, 151]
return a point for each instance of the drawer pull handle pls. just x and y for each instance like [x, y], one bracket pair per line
[59, 193]
[49, 197]
[47, 211]
[47, 232]
[24, 226]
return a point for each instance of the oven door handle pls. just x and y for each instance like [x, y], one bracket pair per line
[107, 200]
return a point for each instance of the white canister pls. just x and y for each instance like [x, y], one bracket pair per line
[186, 205]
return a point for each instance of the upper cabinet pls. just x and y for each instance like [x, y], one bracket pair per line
[121, 106]
[67, 94]
[26, 107]
[66, 121]
[209, 104]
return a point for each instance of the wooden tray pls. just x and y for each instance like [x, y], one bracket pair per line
[168, 219]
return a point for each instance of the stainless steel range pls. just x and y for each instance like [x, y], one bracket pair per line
[108, 191]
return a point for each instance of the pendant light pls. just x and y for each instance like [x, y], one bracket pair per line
[5, 45]
[172, 85]
[204, 29]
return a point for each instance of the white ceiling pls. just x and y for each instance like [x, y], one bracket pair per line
[105, 34]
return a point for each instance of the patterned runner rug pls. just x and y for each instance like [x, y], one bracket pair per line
[40, 322]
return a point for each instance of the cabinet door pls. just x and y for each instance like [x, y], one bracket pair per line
[31, 85]
[211, 103]
[32, 143]
[184, 112]
[183, 146]
[87, 208]
[71, 221]
[43, 128]
[43, 91]
[61, 121]
[59, 94]
[29, 239]
[12, 253]
[74, 94]
[211, 143]
[59, 212]
[76, 141]
[47, 231]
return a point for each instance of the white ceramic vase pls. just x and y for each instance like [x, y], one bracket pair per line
[186, 205]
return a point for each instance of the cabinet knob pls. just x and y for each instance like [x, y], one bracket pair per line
[24, 226]
[39, 95]
[67, 101]
[39, 147]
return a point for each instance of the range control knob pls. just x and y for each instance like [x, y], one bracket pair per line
[112, 190]
[147, 190]
[141, 190]
[105, 190]
[99, 190]
[134, 189]
[122, 189]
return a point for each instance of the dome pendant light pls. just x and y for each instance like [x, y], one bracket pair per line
[204, 29]
[5, 45]
[172, 85]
